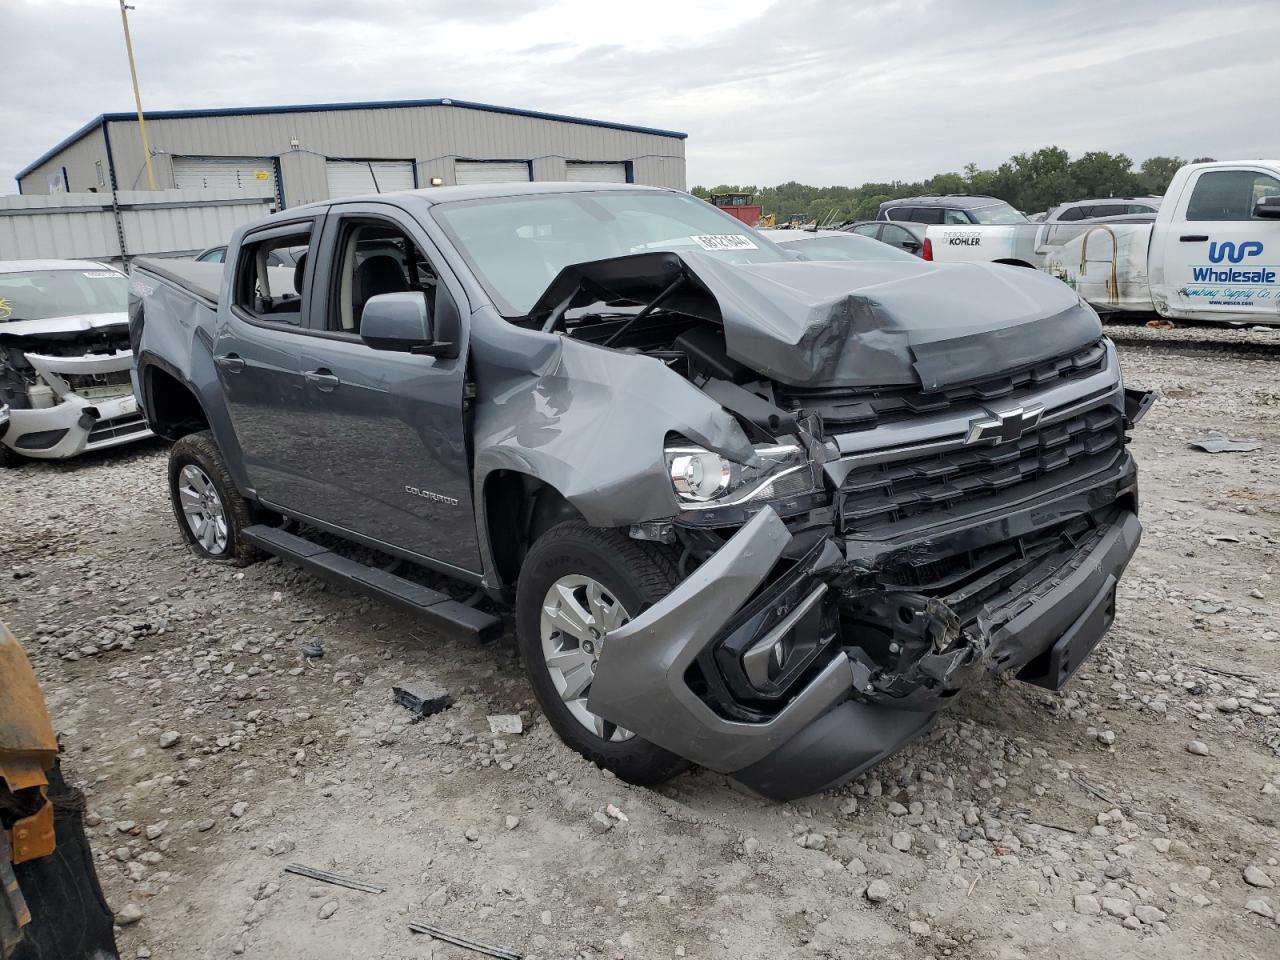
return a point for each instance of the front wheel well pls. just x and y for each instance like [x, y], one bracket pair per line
[173, 409]
[519, 509]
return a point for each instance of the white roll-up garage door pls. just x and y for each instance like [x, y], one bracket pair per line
[227, 175]
[351, 178]
[490, 171]
[582, 171]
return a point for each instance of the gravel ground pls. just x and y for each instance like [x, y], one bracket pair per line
[1133, 814]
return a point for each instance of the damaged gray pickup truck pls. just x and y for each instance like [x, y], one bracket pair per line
[763, 514]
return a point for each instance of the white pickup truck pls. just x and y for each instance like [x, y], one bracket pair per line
[1212, 252]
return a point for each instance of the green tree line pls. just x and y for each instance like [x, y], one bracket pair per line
[1030, 181]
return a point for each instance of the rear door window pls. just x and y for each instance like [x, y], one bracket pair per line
[266, 291]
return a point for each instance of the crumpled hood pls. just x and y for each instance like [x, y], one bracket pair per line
[854, 324]
[63, 326]
[888, 322]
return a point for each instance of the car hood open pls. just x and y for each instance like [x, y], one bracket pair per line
[851, 324]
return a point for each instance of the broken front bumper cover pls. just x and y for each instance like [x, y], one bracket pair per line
[845, 715]
[75, 424]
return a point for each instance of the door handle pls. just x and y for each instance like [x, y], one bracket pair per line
[1194, 237]
[231, 363]
[323, 378]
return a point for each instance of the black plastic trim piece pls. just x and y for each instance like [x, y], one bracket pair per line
[435, 607]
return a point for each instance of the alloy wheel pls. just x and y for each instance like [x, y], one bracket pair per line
[577, 614]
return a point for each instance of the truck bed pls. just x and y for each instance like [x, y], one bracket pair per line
[201, 280]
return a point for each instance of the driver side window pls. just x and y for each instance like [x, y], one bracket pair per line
[374, 257]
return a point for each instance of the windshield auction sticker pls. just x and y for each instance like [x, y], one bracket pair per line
[724, 241]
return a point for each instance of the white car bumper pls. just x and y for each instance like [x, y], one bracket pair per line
[77, 423]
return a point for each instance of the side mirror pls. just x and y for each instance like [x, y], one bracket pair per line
[400, 322]
[1268, 208]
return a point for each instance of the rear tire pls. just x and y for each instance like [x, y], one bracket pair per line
[629, 576]
[8, 458]
[209, 509]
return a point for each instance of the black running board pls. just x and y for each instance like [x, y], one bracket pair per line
[432, 605]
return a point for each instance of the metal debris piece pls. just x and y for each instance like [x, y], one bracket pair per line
[1215, 442]
[502, 953]
[507, 723]
[313, 649]
[421, 697]
[325, 877]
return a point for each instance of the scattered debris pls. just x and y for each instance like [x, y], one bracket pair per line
[325, 877]
[313, 649]
[1198, 748]
[169, 738]
[1090, 788]
[502, 953]
[616, 813]
[422, 697]
[1215, 442]
[1160, 324]
[505, 723]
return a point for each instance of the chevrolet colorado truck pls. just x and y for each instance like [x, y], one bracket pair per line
[763, 514]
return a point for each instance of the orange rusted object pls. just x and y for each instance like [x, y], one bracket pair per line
[28, 749]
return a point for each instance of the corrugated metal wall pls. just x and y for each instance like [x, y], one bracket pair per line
[154, 223]
[431, 136]
[79, 159]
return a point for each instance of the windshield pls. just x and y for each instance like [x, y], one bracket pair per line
[42, 294]
[517, 245]
[846, 248]
[997, 213]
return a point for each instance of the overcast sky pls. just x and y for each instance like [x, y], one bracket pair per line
[820, 91]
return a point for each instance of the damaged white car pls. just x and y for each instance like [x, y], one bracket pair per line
[64, 360]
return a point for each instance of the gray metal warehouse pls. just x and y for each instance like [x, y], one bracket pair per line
[318, 151]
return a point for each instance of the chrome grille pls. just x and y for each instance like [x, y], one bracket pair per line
[872, 499]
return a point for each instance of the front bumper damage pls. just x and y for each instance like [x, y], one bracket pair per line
[882, 633]
[73, 419]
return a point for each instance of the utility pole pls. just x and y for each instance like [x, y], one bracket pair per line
[137, 97]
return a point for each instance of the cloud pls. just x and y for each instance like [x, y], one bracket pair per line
[822, 91]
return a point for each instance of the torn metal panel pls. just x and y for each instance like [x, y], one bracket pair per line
[592, 423]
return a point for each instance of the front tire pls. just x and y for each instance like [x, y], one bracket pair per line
[577, 583]
[209, 509]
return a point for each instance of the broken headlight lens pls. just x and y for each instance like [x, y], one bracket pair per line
[703, 479]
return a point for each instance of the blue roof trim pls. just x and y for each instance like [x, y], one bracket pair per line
[319, 107]
[80, 134]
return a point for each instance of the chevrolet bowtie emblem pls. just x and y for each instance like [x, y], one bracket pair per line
[1005, 426]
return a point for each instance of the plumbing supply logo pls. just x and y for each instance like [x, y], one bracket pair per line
[1234, 253]
[1231, 252]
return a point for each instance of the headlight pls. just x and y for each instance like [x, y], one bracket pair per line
[703, 479]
